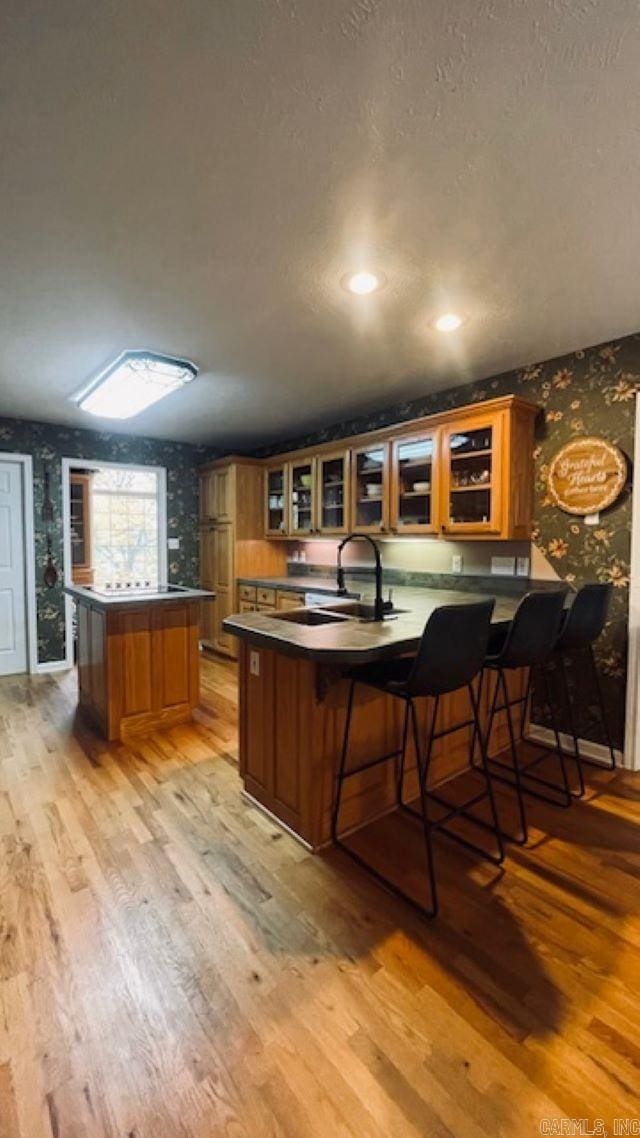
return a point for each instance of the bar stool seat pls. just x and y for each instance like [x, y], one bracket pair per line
[449, 657]
[527, 642]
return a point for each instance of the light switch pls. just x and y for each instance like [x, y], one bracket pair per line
[456, 563]
[522, 567]
[254, 663]
[173, 543]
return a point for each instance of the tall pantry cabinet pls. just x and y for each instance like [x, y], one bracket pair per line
[231, 542]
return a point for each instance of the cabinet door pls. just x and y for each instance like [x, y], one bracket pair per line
[208, 495]
[223, 494]
[224, 641]
[369, 489]
[302, 510]
[208, 622]
[223, 576]
[473, 471]
[414, 484]
[207, 554]
[276, 500]
[332, 491]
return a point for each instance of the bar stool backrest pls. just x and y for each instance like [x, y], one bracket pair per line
[452, 648]
[533, 631]
[586, 618]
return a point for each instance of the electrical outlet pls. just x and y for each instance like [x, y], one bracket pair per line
[456, 563]
[522, 567]
[173, 543]
[503, 566]
[254, 663]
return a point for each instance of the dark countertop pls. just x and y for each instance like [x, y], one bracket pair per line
[351, 641]
[124, 599]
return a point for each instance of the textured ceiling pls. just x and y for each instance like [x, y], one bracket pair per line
[198, 176]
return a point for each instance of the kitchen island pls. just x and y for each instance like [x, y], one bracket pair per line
[293, 695]
[138, 657]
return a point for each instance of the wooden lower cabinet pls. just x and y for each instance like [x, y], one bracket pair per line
[212, 634]
[291, 726]
[138, 668]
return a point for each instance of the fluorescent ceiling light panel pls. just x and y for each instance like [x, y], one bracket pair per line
[133, 382]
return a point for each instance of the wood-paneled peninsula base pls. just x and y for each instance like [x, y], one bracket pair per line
[292, 712]
[138, 659]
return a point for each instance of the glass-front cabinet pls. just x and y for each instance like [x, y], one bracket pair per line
[369, 488]
[332, 492]
[276, 500]
[302, 502]
[472, 476]
[414, 484]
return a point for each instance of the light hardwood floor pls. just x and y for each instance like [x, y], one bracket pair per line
[174, 966]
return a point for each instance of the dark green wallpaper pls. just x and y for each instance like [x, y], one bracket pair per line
[48, 445]
[587, 392]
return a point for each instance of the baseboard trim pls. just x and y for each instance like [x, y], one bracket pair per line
[597, 752]
[52, 666]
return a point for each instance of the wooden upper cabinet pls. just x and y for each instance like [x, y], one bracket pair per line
[302, 497]
[459, 474]
[370, 488]
[276, 500]
[415, 470]
[332, 492]
[81, 547]
[207, 495]
[474, 469]
[223, 493]
[217, 497]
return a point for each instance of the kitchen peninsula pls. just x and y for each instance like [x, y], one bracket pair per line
[293, 698]
[138, 659]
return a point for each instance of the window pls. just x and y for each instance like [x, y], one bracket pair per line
[125, 526]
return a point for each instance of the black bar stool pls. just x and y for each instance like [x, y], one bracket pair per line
[449, 657]
[527, 642]
[582, 624]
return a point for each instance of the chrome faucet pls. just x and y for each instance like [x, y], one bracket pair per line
[380, 607]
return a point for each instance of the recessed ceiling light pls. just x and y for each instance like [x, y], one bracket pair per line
[133, 382]
[448, 322]
[363, 283]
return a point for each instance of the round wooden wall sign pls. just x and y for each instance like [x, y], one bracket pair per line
[587, 475]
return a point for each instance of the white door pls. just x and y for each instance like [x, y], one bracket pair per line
[13, 609]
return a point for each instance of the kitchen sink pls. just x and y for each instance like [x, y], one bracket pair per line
[363, 610]
[312, 616]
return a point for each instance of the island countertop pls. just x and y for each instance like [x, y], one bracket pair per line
[353, 641]
[124, 598]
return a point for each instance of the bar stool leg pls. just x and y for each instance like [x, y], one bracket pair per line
[343, 763]
[401, 762]
[527, 701]
[572, 724]
[423, 776]
[475, 704]
[518, 787]
[603, 715]
[559, 751]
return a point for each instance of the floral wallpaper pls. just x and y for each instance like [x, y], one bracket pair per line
[48, 444]
[591, 391]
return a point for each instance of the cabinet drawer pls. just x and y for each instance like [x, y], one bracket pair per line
[246, 606]
[266, 608]
[287, 600]
[266, 596]
[247, 592]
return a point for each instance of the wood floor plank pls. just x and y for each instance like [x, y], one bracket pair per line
[173, 965]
